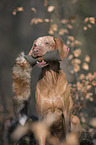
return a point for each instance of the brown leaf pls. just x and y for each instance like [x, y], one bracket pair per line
[84, 28]
[79, 86]
[76, 61]
[76, 68]
[82, 76]
[50, 8]
[88, 95]
[70, 57]
[64, 21]
[90, 77]
[14, 12]
[89, 26]
[77, 42]
[94, 83]
[86, 20]
[88, 87]
[34, 10]
[87, 58]
[68, 42]
[85, 66]
[92, 20]
[71, 38]
[47, 20]
[36, 21]
[50, 32]
[54, 27]
[20, 9]
[63, 31]
[77, 52]
[70, 26]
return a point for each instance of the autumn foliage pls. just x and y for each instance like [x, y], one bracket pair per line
[83, 80]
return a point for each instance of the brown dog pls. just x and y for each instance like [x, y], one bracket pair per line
[52, 90]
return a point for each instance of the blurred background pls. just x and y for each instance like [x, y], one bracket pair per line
[23, 21]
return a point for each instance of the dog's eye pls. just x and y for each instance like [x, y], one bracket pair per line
[35, 45]
[47, 43]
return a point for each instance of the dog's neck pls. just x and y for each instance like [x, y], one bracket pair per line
[50, 73]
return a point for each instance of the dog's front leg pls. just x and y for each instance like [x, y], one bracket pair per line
[67, 110]
[66, 123]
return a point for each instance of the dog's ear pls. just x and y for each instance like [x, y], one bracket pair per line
[63, 49]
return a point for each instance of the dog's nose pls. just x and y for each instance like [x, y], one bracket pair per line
[35, 49]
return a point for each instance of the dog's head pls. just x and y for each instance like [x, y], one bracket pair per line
[45, 44]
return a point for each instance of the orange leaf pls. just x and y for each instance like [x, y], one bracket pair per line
[34, 10]
[89, 77]
[76, 68]
[70, 26]
[70, 57]
[14, 12]
[36, 21]
[86, 20]
[71, 38]
[82, 76]
[84, 28]
[92, 20]
[50, 8]
[50, 32]
[85, 66]
[54, 27]
[76, 61]
[87, 58]
[20, 9]
[88, 87]
[94, 83]
[64, 21]
[62, 31]
[47, 20]
[77, 52]
[89, 25]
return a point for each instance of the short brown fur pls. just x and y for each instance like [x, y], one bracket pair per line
[52, 90]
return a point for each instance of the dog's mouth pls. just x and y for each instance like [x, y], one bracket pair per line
[42, 64]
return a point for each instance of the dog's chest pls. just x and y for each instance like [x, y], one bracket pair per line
[50, 91]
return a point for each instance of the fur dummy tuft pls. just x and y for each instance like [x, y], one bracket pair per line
[21, 84]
